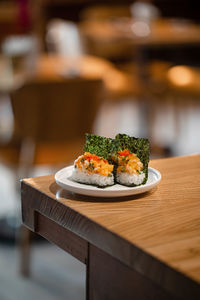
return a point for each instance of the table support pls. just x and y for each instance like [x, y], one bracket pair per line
[112, 280]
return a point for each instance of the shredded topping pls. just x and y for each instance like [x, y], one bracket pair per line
[89, 156]
[92, 163]
[128, 162]
[124, 152]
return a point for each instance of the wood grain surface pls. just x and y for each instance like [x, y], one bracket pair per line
[156, 233]
[162, 32]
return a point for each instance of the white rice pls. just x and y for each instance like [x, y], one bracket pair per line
[95, 179]
[130, 179]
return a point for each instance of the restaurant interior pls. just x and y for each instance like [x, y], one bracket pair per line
[68, 67]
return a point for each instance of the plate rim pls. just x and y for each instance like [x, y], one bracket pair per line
[94, 191]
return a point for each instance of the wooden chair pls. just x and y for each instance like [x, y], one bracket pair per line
[51, 115]
[51, 119]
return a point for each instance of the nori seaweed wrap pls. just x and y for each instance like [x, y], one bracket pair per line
[124, 152]
[138, 146]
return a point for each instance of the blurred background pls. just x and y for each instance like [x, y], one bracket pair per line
[73, 66]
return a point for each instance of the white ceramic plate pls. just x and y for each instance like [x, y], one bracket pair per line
[62, 178]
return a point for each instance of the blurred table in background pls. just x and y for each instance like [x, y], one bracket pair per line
[150, 93]
[117, 83]
[56, 67]
[67, 70]
[115, 38]
[129, 32]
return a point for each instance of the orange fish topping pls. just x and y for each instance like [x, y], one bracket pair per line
[124, 152]
[90, 156]
[94, 164]
[128, 162]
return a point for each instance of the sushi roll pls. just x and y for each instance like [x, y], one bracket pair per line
[105, 161]
[131, 157]
[92, 169]
[129, 168]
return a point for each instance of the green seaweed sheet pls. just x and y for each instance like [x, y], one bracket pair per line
[107, 147]
[98, 145]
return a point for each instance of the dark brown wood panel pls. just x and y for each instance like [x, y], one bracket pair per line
[62, 237]
[109, 279]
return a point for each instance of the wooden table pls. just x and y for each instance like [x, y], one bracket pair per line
[120, 36]
[140, 247]
[157, 33]
[55, 67]
[127, 37]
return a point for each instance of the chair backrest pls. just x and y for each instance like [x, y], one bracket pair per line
[63, 37]
[56, 111]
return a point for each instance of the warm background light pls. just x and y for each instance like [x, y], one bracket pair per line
[180, 75]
